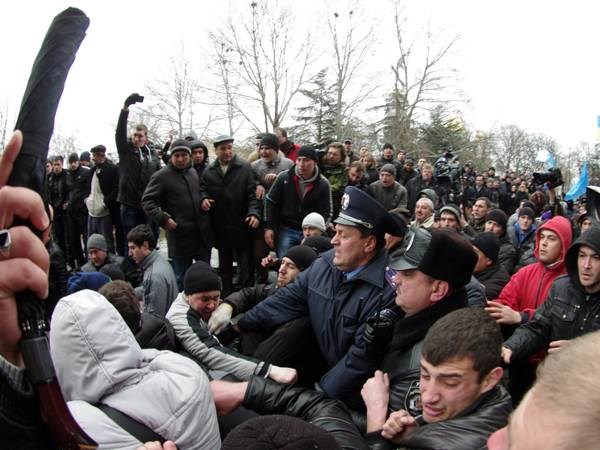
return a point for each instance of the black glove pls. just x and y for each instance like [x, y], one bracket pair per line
[378, 332]
[133, 98]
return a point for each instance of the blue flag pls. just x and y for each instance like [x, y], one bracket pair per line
[578, 188]
[550, 161]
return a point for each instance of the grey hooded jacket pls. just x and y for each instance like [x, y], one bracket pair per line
[98, 360]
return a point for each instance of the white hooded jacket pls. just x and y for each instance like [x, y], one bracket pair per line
[98, 360]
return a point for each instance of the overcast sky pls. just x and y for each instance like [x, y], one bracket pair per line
[531, 63]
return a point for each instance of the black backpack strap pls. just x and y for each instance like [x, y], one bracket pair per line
[138, 430]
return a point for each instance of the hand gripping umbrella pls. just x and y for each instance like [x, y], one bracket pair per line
[36, 121]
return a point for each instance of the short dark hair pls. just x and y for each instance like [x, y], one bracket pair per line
[485, 200]
[122, 296]
[140, 234]
[58, 158]
[467, 332]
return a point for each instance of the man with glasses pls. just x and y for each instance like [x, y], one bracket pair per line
[137, 163]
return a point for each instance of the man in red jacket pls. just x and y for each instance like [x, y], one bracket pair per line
[528, 289]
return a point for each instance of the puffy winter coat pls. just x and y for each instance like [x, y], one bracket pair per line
[174, 193]
[98, 360]
[338, 310]
[528, 288]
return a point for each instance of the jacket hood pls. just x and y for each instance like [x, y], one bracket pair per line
[93, 350]
[591, 238]
[562, 227]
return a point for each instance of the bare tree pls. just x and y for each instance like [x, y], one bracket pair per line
[513, 150]
[351, 42]
[273, 58]
[172, 99]
[63, 144]
[226, 88]
[421, 79]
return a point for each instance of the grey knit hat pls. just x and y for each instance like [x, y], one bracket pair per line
[98, 242]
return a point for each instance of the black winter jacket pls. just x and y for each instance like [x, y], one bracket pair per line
[58, 191]
[469, 430]
[173, 193]
[568, 312]
[283, 205]
[246, 298]
[136, 165]
[508, 255]
[234, 196]
[78, 183]
[494, 278]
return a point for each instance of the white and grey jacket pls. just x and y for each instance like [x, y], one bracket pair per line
[98, 360]
[193, 334]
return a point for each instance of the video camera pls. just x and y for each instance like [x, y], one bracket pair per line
[447, 171]
[553, 177]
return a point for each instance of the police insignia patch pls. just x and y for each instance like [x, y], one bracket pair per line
[412, 400]
[345, 201]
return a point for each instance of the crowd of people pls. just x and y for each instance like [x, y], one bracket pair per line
[357, 302]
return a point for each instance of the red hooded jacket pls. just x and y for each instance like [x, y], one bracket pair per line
[528, 288]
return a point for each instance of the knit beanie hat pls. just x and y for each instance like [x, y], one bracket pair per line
[98, 242]
[452, 209]
[301, 255]
[180, 145]
[307, 152]
[200, 277]
[85, 156]
[278, 432]
[86, 280]
[319, 244]
[389, 168]
[488, 243]
[314, 220]
[526, 211]
[73, 157]
[498, 216]
[269, 140]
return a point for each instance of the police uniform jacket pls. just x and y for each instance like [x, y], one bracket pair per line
[337, 309]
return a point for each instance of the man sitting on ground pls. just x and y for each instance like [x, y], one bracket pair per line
[189, 316]
[98, 255]
[259, 344]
